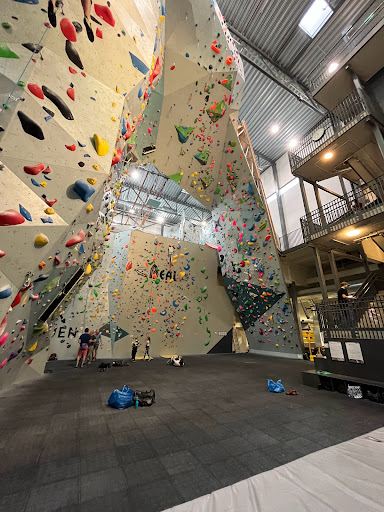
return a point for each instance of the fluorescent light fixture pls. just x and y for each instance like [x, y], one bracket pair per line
[328, 155]
[271, 198]
[292, 144]
[135, 174]
[353, 232]
[160, 220]
[332, 67]
[203, 223]
[275, 128]
[315, 17]
[131, 210]
[289, 185]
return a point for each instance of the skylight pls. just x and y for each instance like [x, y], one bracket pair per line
[315, 17]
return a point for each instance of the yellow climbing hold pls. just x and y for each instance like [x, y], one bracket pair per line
[96, 167]
[92, 181]
[88, 270]
[114, 104]
[41, 240]
[101, 145]
[89, 208]
[96, 257]
[161, 19]
[49, 211]
[43, 184]
[113, 118]
[182, 274]
[34, 347]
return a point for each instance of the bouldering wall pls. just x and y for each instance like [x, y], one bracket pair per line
[70, 81]
[179, 301]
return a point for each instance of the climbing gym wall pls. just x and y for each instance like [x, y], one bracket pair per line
[73, 83]
[179, 300]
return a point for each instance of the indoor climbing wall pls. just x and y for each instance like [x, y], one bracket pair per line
[177, 298]
[70, 73]
[249, 259]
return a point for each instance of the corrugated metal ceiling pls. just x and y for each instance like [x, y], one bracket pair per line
[273, 27]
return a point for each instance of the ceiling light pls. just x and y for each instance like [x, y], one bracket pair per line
[160, 220]
[203, 223]
[131, 210]
[275, 128]
[332, 67]
[292, 144]
[353, 232]
[327, 156]
[135, 174]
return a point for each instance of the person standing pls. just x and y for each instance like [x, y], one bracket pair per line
[83, 349]
[135, 346]
[147, 344]
[91, 346]
[343, 297]
[97, 344]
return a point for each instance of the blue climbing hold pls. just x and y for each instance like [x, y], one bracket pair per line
[83, 190]
[48, 220]
[34, 182]
[25, 213]
[81, 249]
[5, 291]
[138, 64]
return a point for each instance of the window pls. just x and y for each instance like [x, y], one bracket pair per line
[315, 17]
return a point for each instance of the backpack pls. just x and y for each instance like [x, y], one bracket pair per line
[145, 398]
[121, 398]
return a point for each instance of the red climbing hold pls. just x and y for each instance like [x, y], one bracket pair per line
[36, 90]
[68, 29]
[83, 74]
[215, 48]
[16, 301]
[129, 266]
[71, 148]
[47, 170]
[71, 93]
[116, 159]
[50, 203]
[99, 33]
[76, 239]
[11, 218]
[145, 95]
[33, 169]
[228, 61]
[56, 261]
[2, 253]
[172, 67]
[128, 133]
[105, 14]
[73, 71]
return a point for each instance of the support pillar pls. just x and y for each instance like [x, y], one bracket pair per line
[309, 224]
[379, 138]
[335, 275]
[319, 205]
[279, 203]
[320, 273]
[292, 290]
[365, 262]
[345, 193]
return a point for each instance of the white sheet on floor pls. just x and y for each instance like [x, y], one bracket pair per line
[343, 478]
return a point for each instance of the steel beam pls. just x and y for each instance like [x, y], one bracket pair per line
[320, 273]
[335, 275]
[279, 201]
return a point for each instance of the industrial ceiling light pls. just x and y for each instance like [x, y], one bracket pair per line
[353, 232]
[328, 156]
[203, 223]
[292, 144]
[131, 210]
[160, 220]
[135, 174]
[332, 67]
[275, 128]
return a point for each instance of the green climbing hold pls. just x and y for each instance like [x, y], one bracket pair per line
[185, 307]
[157, 281]
[183, 132]
[203, 289]
[233, 144]
[6, 52]
[97, 285]
[200, 320]
[176, 177]
[262, 226]
[208, 342]
[202, 157]
[80, 297]
[20, 83]
[5, 24]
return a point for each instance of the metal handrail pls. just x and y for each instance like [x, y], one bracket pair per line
[357, 204]
[345, 115]
[357, 315]
[344, 47]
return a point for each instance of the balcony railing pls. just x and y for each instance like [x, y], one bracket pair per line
[359, 204]
[291, 240]
[372, 18]
[345, 115]
[356, 319]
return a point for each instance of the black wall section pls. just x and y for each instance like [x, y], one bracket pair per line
[224, 346]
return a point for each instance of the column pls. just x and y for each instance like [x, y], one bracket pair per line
[280, 205]
[320, 273]
[335, 275]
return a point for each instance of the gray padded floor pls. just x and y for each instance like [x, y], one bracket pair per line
[214, 423]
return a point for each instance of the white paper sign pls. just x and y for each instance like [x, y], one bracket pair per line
[354, 352]
[336, 349]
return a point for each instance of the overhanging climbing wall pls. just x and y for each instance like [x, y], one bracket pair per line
[66, 77]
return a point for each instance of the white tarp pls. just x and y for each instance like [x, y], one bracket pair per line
[343, 478]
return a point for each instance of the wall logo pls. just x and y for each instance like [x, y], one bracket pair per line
[154, 270]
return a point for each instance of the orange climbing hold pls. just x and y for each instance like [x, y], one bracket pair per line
[71, 148]
[228, 61]
[99, 33]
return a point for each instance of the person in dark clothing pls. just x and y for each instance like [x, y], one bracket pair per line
[83, 349]
[347, 317]
[135, 346]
